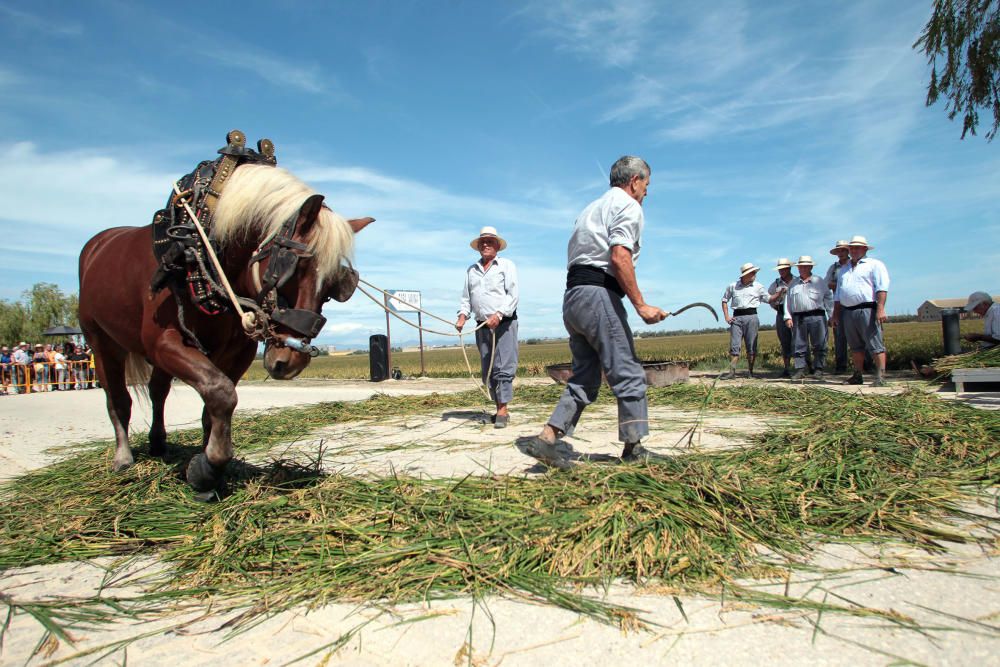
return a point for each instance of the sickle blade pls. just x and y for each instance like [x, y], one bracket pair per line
[700, 305]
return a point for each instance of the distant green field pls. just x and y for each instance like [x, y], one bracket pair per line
[905, 341]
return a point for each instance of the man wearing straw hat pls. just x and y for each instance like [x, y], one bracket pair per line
[601, 260]
[745, 295]
[839, 337]
[805, 315]
[859, 307]
[780, 287]
[490, 294]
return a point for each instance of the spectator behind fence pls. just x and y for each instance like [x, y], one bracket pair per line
[5, 368]
[80, 362]
[21, 359]
[40, 366]
[59, 364]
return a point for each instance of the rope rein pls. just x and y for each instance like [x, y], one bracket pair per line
[460, 335]
[248, 319]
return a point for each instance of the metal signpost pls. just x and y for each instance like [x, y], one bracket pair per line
[406, 301]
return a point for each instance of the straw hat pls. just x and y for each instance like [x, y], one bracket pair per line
[860, 241]
[805, 260]
[748, 268]
[489, 233]
[783, 263]
[841, 245]
[21, 344]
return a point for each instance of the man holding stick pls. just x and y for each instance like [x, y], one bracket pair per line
[602, 253]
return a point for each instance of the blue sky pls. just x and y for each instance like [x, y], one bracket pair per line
[773, 128]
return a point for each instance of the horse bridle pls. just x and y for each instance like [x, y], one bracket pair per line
[282, 255]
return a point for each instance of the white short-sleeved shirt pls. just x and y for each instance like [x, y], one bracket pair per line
[806, 295]
[858, 284]
[489, 291]
[831, 273]
[991, 323]
[613, 219]
[739, 295]
[773, 288]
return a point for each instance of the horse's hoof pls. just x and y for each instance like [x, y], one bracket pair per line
[158, 449]
[207, 496]
[201, 475]
[118, 466]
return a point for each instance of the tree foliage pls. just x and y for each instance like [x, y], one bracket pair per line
[962, 44]
[42, 306]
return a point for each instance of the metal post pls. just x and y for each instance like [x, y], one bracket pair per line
[950, 325]
[388, 335]
[420, 325]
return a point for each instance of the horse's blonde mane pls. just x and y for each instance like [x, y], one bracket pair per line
[258, 199]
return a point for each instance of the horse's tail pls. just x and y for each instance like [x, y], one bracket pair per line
[137, 374]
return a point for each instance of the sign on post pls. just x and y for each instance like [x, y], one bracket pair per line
[404, 301]
[407, 301]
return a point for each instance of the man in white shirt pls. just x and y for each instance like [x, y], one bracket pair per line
[805, 315]
[745, 295]
[982, 304]
[601, 260]
[490, 295]
[780, 284]
[859, 307]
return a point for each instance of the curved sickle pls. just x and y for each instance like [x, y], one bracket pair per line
[700, 305]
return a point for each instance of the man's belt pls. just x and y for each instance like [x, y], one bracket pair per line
[581, 274]
[860, 306]
[809, 313]
[512, 317]
[744, 311]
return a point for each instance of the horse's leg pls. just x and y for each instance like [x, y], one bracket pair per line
[109, 361]
[159, 387]
[170, 354]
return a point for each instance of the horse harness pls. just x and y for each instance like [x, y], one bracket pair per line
[183, 259]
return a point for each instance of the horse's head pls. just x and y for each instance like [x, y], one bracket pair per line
[302, 271]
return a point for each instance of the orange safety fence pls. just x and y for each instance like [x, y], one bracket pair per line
[37, 376]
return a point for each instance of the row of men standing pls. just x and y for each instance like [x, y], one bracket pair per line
[850, 299]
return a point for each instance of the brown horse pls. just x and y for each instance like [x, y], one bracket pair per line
[138, 337]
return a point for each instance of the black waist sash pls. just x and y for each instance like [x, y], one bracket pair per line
[810, 313]
[580, 274]
[744, 311]
[860, 306]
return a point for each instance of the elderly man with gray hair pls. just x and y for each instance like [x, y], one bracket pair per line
[601, 256]
[490, 295]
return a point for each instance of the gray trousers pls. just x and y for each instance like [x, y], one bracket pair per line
[744, 327]
[809, 331]
[784, 334]
[863, 331]
[504, 359]
[840, 345]
[600, 339]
